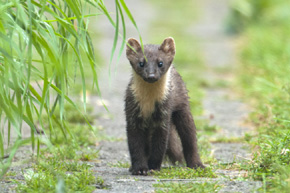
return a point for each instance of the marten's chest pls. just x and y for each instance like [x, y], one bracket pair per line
[147, 94]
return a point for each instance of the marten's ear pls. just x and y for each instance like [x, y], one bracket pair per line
[168, 46]
[133, 44]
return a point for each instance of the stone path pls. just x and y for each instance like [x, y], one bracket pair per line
[220, 105]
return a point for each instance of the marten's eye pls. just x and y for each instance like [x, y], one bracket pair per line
[160, 64]
[141, 64]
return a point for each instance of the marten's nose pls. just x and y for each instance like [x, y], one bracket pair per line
[151, 76]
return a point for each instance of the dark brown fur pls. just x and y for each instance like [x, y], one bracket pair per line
[157, 109]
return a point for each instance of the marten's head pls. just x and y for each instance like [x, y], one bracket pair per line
[157, 61]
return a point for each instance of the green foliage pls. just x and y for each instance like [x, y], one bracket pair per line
[174, 187]
[252, 12]
[58, 168]
[35, 47]
[281, 180]
[43, 46]
[39, 180]
[264, 76]
[80, 134]
[274, 150]
[72, 116]
[79, 131]
[184, 173]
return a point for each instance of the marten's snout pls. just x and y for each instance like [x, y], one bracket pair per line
[150, 73]
[151, 78]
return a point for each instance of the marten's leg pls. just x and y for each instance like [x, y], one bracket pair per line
[139, 149]
[158, 148]
[174, 147]
[185, 127]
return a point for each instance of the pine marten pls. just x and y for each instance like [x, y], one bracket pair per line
[157, 110]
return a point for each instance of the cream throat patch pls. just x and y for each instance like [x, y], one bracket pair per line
[147, 94]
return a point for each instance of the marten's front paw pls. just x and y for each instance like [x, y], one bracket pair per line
[139, 170]
[198, 165]
[155, 167]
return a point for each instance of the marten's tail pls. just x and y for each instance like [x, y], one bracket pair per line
[174, 148]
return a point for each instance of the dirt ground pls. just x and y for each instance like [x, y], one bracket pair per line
[222, 107]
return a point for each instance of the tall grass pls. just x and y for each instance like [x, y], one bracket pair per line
[264, 77]
[40, 43]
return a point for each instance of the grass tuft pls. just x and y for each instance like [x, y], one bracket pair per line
[184, 173]
[175, 187]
